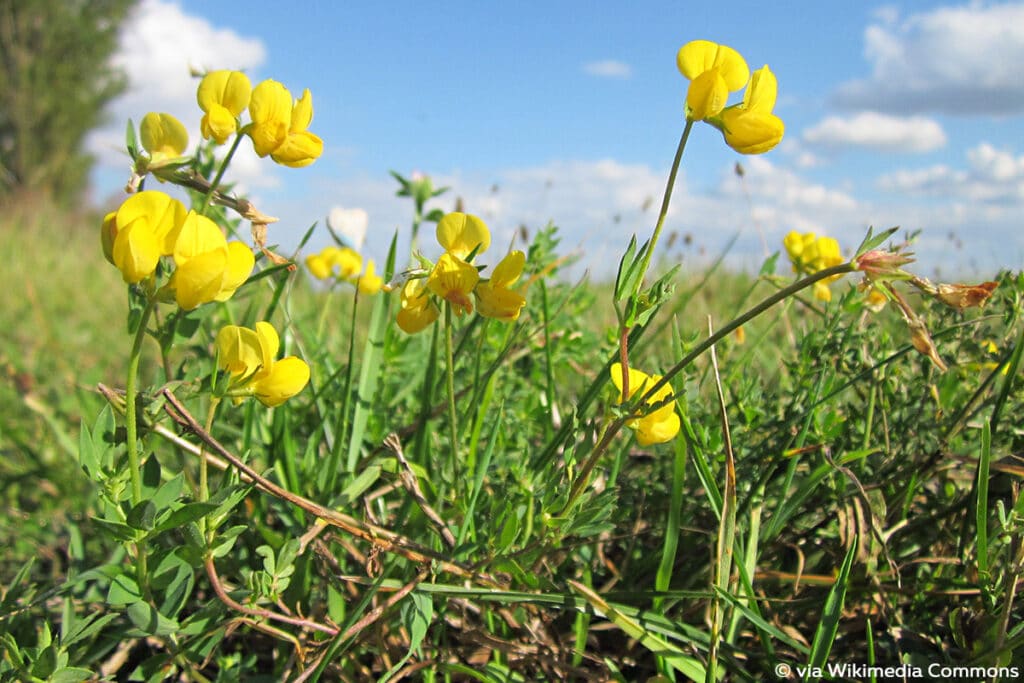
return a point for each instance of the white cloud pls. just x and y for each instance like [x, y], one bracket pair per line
[608, 68]
[160, 44]
[878, 131]
[991, 176]
[956, 60]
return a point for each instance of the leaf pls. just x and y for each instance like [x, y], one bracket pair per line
[142, 516]
[825, 634]
[123, 591]
[147, 619]
[871, 241]
[71, 674]
[189, 512]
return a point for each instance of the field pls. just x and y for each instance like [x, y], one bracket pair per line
[832, 496]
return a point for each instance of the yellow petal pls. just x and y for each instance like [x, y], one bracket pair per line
[286, 378]
[163, 136]
[370, 283]
[414, 319]
[318, 266]
[238, 350]
[240, 264]
[269, 342]
[453, 280]
[271, 111]
[498, 302]
[198, 235]
[302, 112]
[228, 89]
[461, 233]
[298, 150]
[751, 132]
[762, 91]
[136, 251]
[706, 96]
[199, 280]
[348, 260]
[219, 124]
[509, 269]
[163, 213]
[651, 430]
[108, 233]
[699, 56]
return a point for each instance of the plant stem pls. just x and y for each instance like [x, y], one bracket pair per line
[220, 174]
[130, 391]
[450, 355]
[666, 199]
[204, 487]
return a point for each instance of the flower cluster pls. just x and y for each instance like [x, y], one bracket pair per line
[278, 124]
[658, 426]
[716, 70]
[455, 280]
[809, 254]
[248, 355]
[151, 225]
[345, 264]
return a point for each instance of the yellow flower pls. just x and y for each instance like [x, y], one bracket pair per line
[208, 268]
[369, 282]
[658, 426]
[453, 280]
[143, 229]
[714, 71]
[163, 136]
[342, 262]
[461, 233]
[494, 298]
[809, 254]
[279, 126]
[751, 127]
[418, 310]
[223, 95]
[249, 356]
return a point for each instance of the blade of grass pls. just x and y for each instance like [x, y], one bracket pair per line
[825, 634]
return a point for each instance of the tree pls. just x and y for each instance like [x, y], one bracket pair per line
[55, 79]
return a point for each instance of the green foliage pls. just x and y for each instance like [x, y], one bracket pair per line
[55, 80]
[470, 501]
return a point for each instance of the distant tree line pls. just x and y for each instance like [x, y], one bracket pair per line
[55, 79]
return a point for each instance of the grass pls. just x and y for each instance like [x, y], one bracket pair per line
[832, 496]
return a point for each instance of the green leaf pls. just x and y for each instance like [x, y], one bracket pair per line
[149, 621]
[123, 591]
[189, 512]
[625, 276]
[142, 516]
[871, 241]
[168, 492]
[116, 530]
[71, 674]
[825, 634]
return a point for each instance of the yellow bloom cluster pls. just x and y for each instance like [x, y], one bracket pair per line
[150, 225]
[345, 264]
[456, 280]
[278, 125]
[809, 254]
[658, 426]
[715, 71]
[249, 356]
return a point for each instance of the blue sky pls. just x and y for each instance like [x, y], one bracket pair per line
[905, 113]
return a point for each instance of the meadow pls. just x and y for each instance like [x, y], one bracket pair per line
[223, 463]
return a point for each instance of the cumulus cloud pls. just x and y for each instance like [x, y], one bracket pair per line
[159, 47]
[608, 68]
[878, 131]
[953, 60]
[991, 175]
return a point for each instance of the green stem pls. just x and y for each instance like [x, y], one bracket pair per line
[220, 174]
[666, 199]
[130, 392]
[452, 418]
[204, 486]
